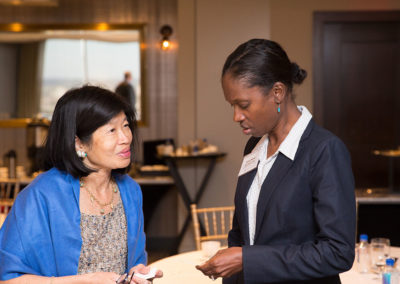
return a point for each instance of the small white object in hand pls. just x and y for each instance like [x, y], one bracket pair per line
[151, 274]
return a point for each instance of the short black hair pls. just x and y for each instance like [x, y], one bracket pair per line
[262, 63]
[78, 113]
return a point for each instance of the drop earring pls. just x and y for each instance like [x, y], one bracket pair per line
[279, 107]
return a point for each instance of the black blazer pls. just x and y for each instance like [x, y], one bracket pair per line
[305, 228]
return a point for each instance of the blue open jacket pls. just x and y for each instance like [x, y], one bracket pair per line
[42, 234]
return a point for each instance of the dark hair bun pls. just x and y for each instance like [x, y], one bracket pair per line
[298, 74]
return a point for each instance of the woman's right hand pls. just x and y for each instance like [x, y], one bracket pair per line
[101, 277]
[140, 268]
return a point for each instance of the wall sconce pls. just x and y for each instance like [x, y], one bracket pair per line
[166, 32]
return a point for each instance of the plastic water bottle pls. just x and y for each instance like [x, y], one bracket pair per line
[390, 275]
[363, 260]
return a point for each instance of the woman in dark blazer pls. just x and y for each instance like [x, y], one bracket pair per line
[295, 206]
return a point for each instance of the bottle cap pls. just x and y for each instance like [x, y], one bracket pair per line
[363, 237]
[390, 262]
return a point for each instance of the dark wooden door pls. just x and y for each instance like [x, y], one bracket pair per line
[357, 88]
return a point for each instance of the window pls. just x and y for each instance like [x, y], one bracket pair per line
[70, 63]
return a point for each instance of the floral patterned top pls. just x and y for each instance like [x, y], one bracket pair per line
[104, 242]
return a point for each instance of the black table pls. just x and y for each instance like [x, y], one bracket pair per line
[154, 190]
[171, 161]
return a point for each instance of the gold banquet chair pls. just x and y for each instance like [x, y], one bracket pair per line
[8, 192]
[215, 222]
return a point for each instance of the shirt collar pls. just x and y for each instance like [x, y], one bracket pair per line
[290, 145]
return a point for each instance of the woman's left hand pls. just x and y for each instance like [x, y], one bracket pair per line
[140, 268]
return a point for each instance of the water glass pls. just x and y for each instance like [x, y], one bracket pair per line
[380, 251]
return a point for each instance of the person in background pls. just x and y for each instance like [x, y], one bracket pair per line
[294, 216]
[81, 221]
[125, 89]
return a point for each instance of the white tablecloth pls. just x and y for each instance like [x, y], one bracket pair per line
[181, 269]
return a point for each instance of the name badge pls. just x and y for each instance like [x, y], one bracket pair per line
[250, 162]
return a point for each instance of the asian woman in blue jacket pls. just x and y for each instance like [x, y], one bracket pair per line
[81, 221]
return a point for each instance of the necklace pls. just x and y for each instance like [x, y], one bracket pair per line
[100, 204]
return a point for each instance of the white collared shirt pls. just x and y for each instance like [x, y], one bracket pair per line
[288, 148]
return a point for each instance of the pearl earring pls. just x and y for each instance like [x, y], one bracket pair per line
[81, 154]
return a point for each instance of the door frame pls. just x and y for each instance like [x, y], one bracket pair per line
[319, 20]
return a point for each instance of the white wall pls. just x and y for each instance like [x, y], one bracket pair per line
[209, 31]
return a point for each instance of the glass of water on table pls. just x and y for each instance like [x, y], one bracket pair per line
[380, 251]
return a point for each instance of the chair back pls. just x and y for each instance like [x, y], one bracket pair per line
[211, 223]
[9, 190]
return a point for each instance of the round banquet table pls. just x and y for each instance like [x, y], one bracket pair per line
[354, 277]
[180, 268]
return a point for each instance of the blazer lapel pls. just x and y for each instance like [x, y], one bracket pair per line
[274, 177]
[243, 186]
[271, 182]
